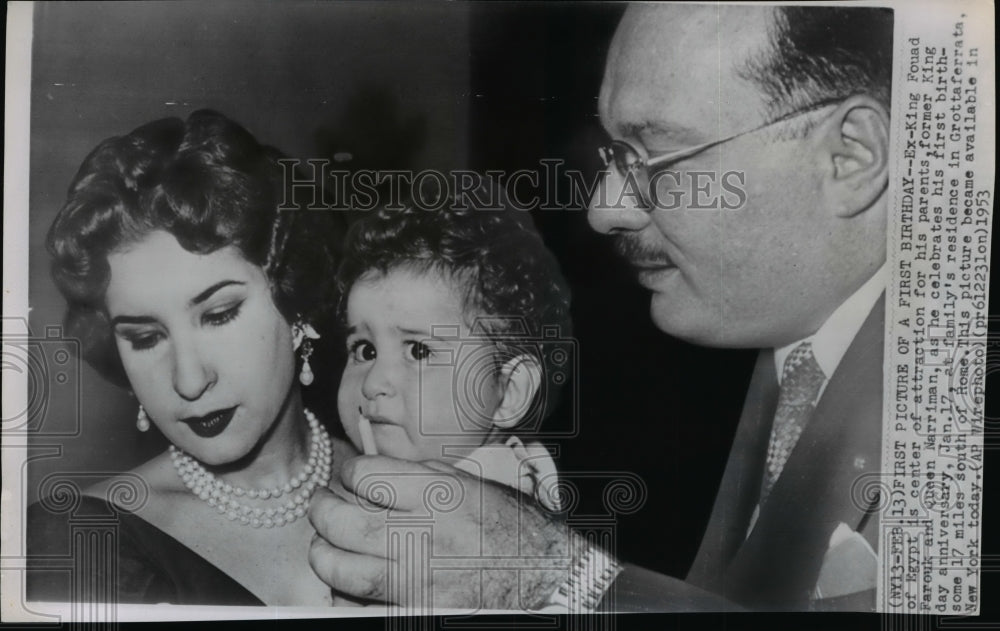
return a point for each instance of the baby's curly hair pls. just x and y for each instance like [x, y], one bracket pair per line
[509, 282]
[210, 184]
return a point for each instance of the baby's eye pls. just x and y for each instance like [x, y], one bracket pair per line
[419, 351]
[362, 351]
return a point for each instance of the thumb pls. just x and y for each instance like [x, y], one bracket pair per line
[437, 465]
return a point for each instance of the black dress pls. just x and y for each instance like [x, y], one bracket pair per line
[98, 552]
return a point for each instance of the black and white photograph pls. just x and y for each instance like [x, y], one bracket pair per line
[482, 309]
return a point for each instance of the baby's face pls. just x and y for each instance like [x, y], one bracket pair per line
[412, 368]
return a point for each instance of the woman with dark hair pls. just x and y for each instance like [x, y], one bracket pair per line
[189, 282]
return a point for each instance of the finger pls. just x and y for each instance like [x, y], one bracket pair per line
[437, 465]
[356, 575]
[340, 491]
[347, 525]
[398, 484]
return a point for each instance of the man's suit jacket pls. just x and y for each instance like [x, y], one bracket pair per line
[777, 566]
[820, 487]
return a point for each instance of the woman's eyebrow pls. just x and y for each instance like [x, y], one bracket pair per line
[205, 295]
[126, 319]
[200, 298]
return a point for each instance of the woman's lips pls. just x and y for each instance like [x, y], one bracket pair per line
[211, 424]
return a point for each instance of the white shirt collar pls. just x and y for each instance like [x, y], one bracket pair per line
[830, 342]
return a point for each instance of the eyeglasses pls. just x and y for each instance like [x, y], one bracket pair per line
[631, 160]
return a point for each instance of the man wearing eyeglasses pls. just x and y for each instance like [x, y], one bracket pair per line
[795, 101]
[793, 106]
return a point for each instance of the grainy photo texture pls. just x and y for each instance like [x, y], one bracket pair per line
[321, 309]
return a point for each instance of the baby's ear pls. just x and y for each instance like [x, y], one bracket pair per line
[520, 378]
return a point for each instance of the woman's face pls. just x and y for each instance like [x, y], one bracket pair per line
[413, 368]
[205, 349]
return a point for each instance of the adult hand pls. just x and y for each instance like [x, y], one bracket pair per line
[490, 546]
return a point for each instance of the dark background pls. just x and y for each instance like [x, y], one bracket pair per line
[482, 86]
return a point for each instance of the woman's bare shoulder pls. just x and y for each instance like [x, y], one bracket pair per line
[143, 488]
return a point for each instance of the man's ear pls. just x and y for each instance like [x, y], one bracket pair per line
[855, 145]
[520, 379]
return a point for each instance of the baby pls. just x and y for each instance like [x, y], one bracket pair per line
[451, 317]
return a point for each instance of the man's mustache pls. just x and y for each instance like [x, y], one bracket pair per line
[635, 251]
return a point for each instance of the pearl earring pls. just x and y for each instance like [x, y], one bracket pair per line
[142, 421]
[302, 336]
[306, 374]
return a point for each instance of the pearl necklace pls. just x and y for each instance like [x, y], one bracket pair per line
[222, 495]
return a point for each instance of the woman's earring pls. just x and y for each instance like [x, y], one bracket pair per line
[302, 336]
[306, 374]
[142, 421]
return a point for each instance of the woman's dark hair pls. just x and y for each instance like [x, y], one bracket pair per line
[210, 184]
[507, 278]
